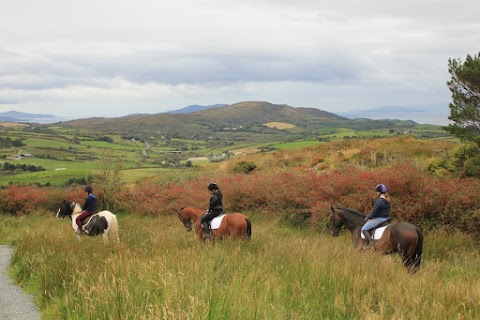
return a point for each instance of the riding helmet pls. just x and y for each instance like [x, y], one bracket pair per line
[381, 188]
[212, 186]
[89, 189]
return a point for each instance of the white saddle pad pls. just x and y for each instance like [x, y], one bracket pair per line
[377, 234]
[215, 223]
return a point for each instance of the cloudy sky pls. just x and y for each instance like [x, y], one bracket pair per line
[113, 58]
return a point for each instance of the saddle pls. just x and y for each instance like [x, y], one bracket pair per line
[87, 219]
[383, 224]
[215, 222]
[94, 225]
[377, 232]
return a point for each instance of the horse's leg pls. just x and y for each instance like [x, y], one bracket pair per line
[248, 231]
[414, 254]
[406, 241]
[113, 232]
[199, 230]
[105, 235]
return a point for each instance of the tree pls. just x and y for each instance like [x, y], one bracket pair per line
[465, 107]
[109, 177]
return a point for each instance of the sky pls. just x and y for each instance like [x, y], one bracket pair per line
[113, 58]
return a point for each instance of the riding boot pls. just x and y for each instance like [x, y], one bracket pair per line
[368, 236]
[206, 230]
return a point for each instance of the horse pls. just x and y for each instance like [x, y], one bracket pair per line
[102, 223]
[400, 237]
[235, 225]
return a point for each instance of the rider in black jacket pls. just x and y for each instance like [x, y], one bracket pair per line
[215, 208]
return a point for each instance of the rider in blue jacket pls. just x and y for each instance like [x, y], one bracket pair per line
[89, 208]
[380, 213]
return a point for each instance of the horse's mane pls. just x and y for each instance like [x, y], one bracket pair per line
[353, 211]
[73, 204]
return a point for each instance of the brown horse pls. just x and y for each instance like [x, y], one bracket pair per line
[401, 237]
[236, 225]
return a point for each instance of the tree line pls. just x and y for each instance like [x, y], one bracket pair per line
[8, 142]
[10, 167]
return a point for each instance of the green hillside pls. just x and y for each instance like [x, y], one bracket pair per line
[244, 121]
[56, 153]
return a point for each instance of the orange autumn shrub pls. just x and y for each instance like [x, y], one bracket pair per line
[16, 200]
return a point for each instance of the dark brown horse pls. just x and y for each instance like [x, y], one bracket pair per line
[401, 237]
[236, 225]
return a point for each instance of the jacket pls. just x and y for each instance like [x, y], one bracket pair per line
[90, 204]
[381, 209]
[216, 202]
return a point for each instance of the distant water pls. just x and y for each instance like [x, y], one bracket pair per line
[429, 114]
[45, 120]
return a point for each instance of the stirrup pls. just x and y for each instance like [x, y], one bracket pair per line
[367, 244]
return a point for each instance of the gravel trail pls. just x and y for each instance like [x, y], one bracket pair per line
[14, 303]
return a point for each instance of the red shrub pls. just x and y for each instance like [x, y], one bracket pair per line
[22, 200]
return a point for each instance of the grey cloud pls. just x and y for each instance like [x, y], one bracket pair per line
[178, 68]
[9, 101]
[19, 71]
[197, 68]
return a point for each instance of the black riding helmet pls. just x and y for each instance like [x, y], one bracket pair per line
[89, 189]
[212, 186]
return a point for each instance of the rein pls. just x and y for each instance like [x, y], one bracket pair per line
[345, 220]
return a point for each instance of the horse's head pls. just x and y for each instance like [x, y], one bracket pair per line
[185, 218]
[66, 209]
[336, 222]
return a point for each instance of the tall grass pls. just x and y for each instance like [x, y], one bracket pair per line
[159, 271]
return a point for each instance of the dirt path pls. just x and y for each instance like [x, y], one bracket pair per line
[14, 303]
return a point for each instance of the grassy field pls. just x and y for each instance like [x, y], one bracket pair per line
[296, 144]
[80, 152]
[159, 271]
[67, 153]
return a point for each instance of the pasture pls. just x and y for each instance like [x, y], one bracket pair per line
[160, 271]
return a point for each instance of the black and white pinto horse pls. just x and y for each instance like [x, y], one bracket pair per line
[102, 223]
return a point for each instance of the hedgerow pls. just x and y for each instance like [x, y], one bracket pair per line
[300, 193]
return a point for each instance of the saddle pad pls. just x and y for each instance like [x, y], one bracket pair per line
[215, 223]
[378, 233]
[87, 219]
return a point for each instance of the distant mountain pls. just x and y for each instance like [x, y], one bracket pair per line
[196, 108]
[15, 116]
[432, 114]
[243, 121]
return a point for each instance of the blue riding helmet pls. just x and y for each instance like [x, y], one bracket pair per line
[381, 188]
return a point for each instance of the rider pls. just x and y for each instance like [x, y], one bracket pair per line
[89, 208]
[380, 213]
[214, 209]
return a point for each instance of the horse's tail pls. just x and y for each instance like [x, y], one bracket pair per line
[249, 228]
[417, 255]
[113, 234]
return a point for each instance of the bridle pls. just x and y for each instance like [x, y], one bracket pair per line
[187, 222]
[335, 230]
